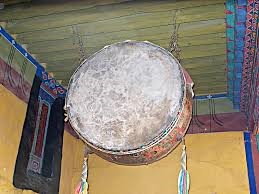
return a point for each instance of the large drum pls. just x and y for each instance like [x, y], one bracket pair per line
[130, 102]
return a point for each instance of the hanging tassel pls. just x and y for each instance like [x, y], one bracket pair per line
[82, 187]
[183, 179]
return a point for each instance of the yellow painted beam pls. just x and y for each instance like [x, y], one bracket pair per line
[12, 2]
[63, 33]
[196, 66]
[203, 50]
[148, 20]
[211, 90]
[61, 55]
[200, 62]
[114, 20]
[186, 53]
[207, 82]
[53, 45]
[219, 68]
[45, 35]
[36, 10]
[159, 39]
[49, 33]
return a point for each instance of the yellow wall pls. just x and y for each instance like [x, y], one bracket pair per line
[72, 161]
[12, 114]
[216, 163]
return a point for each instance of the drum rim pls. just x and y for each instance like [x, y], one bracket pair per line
[157, 138]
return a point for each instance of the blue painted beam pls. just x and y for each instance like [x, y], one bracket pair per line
[250, 163]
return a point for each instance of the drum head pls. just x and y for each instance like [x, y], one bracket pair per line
[125, 96]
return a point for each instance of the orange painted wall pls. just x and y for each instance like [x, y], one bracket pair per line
[12, 114]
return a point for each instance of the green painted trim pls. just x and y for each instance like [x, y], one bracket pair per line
[222, 105]
[18, 60]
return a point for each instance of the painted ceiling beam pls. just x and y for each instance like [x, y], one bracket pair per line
[39, 69]
[201, 38]
[36, 10]
[120, 18]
